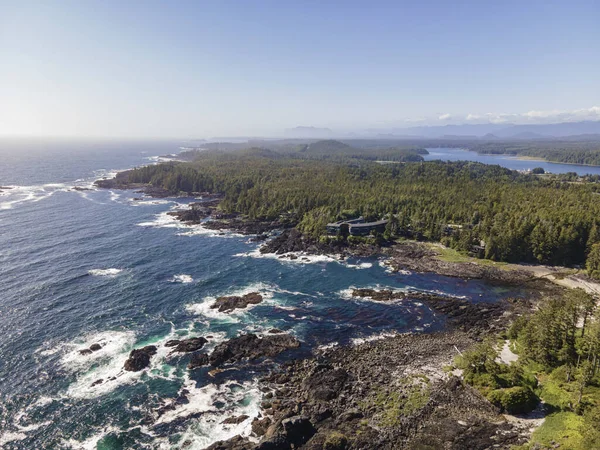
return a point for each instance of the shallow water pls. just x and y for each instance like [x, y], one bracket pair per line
[84, 267]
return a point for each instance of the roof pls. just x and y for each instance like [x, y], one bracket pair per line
[349, 222]
[370, 224]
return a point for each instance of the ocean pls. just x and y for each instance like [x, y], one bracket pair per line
[80, 266]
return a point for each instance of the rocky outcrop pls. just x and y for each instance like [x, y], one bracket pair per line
[234, 420]
[325, 383]
[186, 345]
[381, 395]
[250, 346]
[235, 443]
[139, 358]
[198, 360]
[416, 257]
[228, 304]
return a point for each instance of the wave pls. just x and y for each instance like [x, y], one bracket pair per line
[347, 293]
[165, 220]
[364, 265]
[375, 337]
[106, 364]
[182, 278]
[17, 195]
[11, 436]
[292, 257]
[112, 272]
[214, 403]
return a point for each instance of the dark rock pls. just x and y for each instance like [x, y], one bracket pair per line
[140, 358]
[233, 420]
[275, 331]
[325, 382]
[298, 430]
[228, 304]
[97, 382]
[198, 360]
[235, 443]
[250, 346]
[88, 351]
[260, 426]
[350, 415]
[187, 345]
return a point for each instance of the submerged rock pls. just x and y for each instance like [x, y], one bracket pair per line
[89, 351]
[250, 346]
[228, 304]
[186, 345]
[139, 358]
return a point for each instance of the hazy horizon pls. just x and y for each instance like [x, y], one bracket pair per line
[205, 69]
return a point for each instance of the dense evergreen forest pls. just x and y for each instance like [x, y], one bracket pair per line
[558, 347]
[519, 217]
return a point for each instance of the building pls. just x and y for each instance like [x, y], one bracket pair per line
[356, 227]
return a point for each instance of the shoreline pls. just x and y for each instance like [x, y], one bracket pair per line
[338, 391]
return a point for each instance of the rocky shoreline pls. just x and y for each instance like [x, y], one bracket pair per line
[393, 393]
[389, 394]
[404, 255]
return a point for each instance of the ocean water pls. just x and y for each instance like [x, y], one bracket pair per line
[79, 267]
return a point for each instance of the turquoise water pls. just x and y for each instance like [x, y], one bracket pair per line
[84, 267]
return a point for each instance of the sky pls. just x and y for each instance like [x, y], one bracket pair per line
[194, 69]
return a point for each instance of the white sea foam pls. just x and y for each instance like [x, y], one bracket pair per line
[165, 220]
[9, 436]
[364, 265]
[150, 202]
[204, 308]
[347, 293]
[375, 337]
[90, 443]
[385, 264]
[329, 346]
[182, 278]
[107, 363]
[28, 194]
[216, 403]
[112, 272]
[292, 257]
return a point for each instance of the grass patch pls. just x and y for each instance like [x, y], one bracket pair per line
[453, 256]
[390, 407]
[563, 428]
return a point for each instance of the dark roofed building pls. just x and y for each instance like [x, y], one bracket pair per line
[363, 229]
[357, 227]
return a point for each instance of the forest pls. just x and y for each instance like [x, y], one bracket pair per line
[515, 217]
[558, 348]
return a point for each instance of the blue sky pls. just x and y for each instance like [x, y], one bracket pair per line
[203, 68]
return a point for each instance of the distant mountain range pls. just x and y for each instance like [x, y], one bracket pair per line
[494, 131]
[308, 132]
[585, 131]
